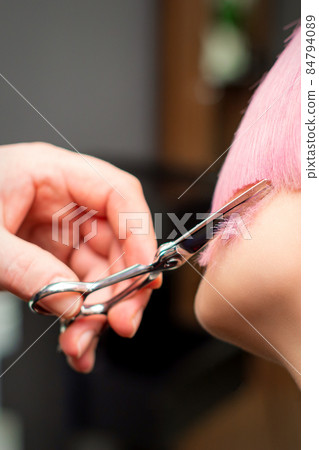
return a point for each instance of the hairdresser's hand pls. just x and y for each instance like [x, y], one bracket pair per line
[36, 181]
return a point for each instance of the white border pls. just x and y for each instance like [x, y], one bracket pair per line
[310, 249]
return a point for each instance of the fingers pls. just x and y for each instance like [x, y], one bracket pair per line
[116, 195]
[104, 239]
[131, 221]
[95, 184]
[86, 362]
[126, 316]
[77, 341]
[41, 236]
[26, 268]
[80, 340]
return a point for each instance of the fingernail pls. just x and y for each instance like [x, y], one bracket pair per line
[84, 341]
[86, 365]
[70, 362]
[136, 320]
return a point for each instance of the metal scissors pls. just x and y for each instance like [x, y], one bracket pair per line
[169, 256]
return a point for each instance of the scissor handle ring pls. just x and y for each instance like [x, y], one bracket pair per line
[85, 289]
[57, 288]
[103, 308]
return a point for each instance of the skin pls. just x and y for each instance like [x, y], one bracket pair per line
[261, 279]
[37, 180]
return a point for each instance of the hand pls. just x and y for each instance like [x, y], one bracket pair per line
[36, 181]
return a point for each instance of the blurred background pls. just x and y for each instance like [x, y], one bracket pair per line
[157, 88]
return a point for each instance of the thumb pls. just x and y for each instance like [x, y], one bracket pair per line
[25, 268]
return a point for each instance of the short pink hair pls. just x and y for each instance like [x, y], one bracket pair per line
[267, 142]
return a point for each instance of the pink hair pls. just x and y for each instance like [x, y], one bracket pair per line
[267, 143]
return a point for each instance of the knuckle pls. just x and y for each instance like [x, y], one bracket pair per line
[17, 272]
[40, 144]
[134, 182]
[24, 275]
[129, 186]
[40, 148]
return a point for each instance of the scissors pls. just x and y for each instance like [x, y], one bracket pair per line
[169, 256]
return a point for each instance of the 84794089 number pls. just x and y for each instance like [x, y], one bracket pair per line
[310, 48]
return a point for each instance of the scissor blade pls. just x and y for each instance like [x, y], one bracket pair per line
[195, 240]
